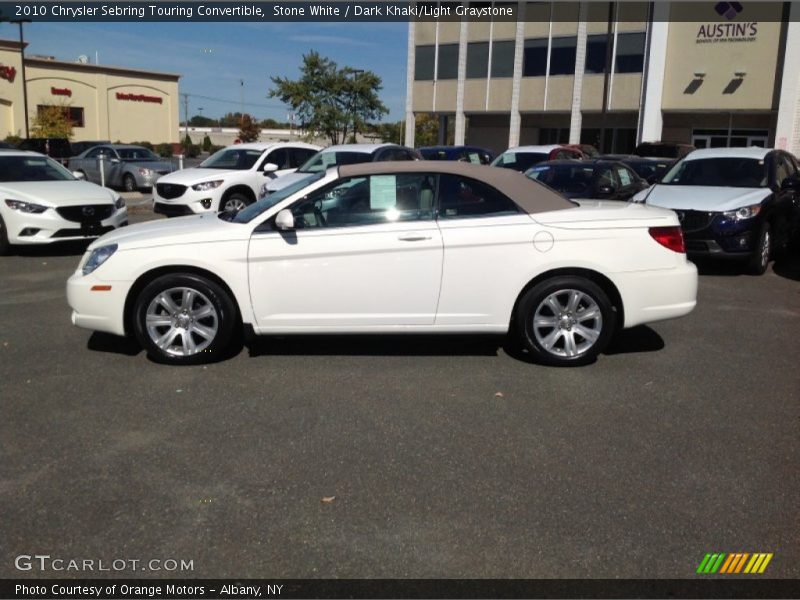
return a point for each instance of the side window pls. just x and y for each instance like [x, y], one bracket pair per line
[784, 168]
[606, 178]
[460, 197]
[94, 153]
[372, 200]
[280, 157]
[626, 178]
[298, 156]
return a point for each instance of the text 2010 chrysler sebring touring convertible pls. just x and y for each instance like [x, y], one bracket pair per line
[398, 247]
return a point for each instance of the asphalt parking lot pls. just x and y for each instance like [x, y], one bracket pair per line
[404, 457]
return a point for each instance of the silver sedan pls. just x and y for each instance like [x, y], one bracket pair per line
[127, 167]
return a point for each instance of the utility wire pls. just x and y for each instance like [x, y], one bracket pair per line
[237, 102]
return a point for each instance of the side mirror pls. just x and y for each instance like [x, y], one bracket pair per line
[604, 190]
[78, 175]
[284, 220]
[269, 168]
[114, 161]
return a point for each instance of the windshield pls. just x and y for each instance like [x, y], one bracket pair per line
[719, 172]
[251, 212]
[519, 161]
[32, 168]
[237, 159]
[320, 162]
[136, 154]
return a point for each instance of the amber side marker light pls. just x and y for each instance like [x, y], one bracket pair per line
[101, 288]
[669, 237]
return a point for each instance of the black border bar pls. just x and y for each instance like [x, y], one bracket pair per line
[190, 589]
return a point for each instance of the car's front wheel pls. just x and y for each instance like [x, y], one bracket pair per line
[184, 319]
[565, 321]
[759, 261]
[234, 202]
[129, 183]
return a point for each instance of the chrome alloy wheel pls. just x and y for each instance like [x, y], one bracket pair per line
[764, 251]
[182, 321]
[567, 323]
[233, 204]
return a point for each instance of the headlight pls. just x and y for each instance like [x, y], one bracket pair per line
[207, 185]
[26, 207]
[119, 202]
[145, 172]
[98, 257]
[744, 213]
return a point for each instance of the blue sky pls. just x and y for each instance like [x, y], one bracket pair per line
[212, 58]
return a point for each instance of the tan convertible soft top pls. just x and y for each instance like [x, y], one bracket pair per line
[531, 196]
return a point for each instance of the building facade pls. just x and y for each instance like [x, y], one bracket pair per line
[104, 102]
[613, 75]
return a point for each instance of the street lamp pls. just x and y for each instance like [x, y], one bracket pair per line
[356, 74]
[24, 78]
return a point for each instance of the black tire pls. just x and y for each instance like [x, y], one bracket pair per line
[5, 247]
[568, 323]
[235, 202]
[224, 322]
[759, 261]
[129, 183]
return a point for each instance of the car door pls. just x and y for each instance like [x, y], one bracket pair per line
[785, 201]
[487, 241]
[606, 183]
[365, 253]
[90, 166]
[630, 183]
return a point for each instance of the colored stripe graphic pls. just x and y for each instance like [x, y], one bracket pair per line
[734, 563]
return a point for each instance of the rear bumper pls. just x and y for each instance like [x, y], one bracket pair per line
[650, 296]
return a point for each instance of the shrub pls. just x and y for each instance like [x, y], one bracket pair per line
[164, 150]
[206, 143]
[14, 140]
[192, 150]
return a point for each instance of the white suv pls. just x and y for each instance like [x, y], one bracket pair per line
[229, 179]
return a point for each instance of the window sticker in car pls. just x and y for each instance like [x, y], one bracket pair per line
[382, 192]
[624, 177]
[474, 158]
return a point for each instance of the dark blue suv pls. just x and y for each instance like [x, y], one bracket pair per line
[740, 203]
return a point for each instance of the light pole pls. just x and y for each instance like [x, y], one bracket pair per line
[356, 74]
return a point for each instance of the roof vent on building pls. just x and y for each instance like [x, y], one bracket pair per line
[41, 57]
[83, 59]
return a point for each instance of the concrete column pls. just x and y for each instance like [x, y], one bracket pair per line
[461, 122]
[410, 61]
[787, 131]
[576, 117]
[519, 51]
[651, 121]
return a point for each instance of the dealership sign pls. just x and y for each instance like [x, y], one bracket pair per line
[139, 98]
[713, 33]
[7, 73]
[61, 91]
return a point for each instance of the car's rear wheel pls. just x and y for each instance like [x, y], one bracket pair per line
[565, 321]
[234, 202]
[129, 183]
[184, 319]
[758, 263]
[5, 247]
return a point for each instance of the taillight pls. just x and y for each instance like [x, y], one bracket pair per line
[669, 237]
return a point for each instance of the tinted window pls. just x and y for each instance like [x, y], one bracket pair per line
[718, 172]
[596, 48]
[477, 60]
[298, 156]
[630, 53]
[562, 56]
[95, 152]
[240, 160]
[32, 168]
[565, 178]
[534, 62]
[280, 157]
[136, 154]
[626, 177]
[448, 61]
[460, 197]
[372, 200]
[423, 62]
[503, 59]
[783, 168]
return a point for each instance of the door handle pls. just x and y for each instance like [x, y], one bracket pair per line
[413, 237]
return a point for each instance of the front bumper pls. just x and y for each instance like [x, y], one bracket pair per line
[49, 227]
[98, 309]
[710, 234]
[189, 202]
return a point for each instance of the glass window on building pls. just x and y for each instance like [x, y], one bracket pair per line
[424, 63]
[73, 113]
[630, 53]
[477, 60]
[562, 55]
[534, 63]
[596, 48]
[448, 61]
[503, 59]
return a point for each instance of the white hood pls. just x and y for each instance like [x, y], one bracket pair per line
[55, 194]
[196, 175]
[181, 230]
[705, 198]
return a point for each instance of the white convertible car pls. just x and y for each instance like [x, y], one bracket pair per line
[395, 247]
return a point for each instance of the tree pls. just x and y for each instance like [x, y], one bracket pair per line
[272, 124]
[201, 121]
[331, 101]
[249, 129]
[52, 122]
[206, 143]
[426, 132]
[231, 120]
[389, 132]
